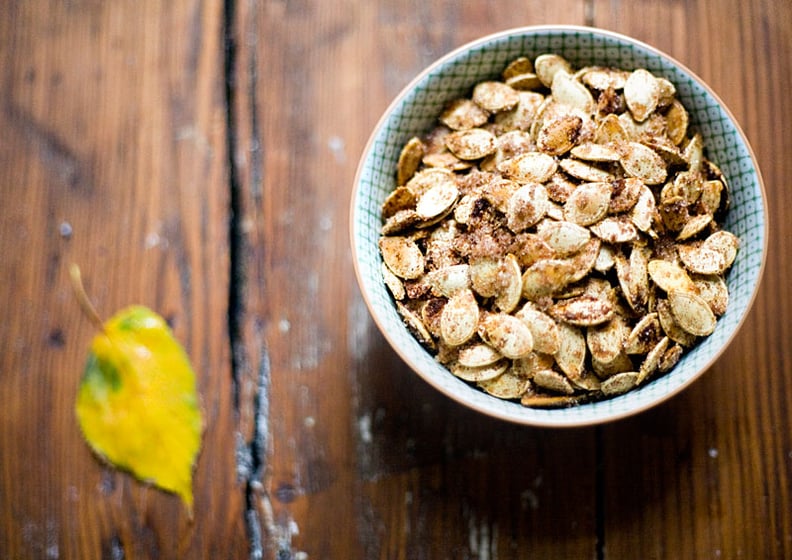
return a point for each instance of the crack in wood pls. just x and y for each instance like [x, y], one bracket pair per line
[263, 532]
[249, 462]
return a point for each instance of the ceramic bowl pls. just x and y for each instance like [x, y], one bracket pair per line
[414, 112]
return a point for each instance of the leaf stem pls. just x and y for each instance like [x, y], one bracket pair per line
[82, 297]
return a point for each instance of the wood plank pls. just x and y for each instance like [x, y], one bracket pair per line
[113, 157]
[439, 480]
[119, 154]
[707, 474]
[352, 439]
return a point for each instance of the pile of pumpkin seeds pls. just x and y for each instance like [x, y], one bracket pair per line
[555, 239]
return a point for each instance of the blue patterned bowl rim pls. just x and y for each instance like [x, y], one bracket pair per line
[415, 110]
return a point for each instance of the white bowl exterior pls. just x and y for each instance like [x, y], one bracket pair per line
[414, 112]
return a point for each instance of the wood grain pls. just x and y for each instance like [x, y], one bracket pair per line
[707, 474]
[113, 158]
[198, 157]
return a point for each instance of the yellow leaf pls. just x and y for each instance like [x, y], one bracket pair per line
[137, 403]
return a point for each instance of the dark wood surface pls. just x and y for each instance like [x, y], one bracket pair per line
[198, 158]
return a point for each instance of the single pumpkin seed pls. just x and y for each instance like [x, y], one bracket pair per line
[526, 206]
[474, 143]
[507, 334]
[558, 136]
[670, 276]
[701, 259]
[571, 354]
[553, 381]
[588, 203]
[437, 201]
[409, 160]
[595, 152]
[641, 93]
[606, 341]
[546, 336]
[677, 122]
[725, 243]
[393, 283]
[566, 90]
[643, 163]
[565, 238]
[615, 229]
[481, 373]
[478, 354]
[584, 171]
[694, 226]
[494, 97]
[506, 386]
[713, 290]
[548, 65]
[644, 210]
[531, 167]
[460, 318]
[402, 255]
[583, 311]
[692, 313]
[670, 358]
[448, 280]
[509, 295]
[463, 114]
[619, 383]
[671, 328]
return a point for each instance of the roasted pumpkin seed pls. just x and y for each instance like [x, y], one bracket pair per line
[506, 386]
[495, 96]
[571, 354]
[402, 256]
[507, 334]
[585, 171]
[546, 336]
[463, 114]
[526, 207]
[588, 203]
[460, 318]
[437, 201]
[548, 65]
[606, 341]
[473, 143]
[478, 355]
[499, 240]
[481, 373]
[670, 276]
[642, 94]
[643, 163]
[620, 383]
[559, 136]
[553, 381]
[409, 160]
[565, 238]
[568, 91]
[692, 313]
[531, 167]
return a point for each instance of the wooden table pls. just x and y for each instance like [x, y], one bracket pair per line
[198, 158]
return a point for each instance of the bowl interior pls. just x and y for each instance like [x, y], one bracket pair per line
[415, 111]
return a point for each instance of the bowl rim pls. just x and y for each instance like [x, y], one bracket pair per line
[502, 414]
